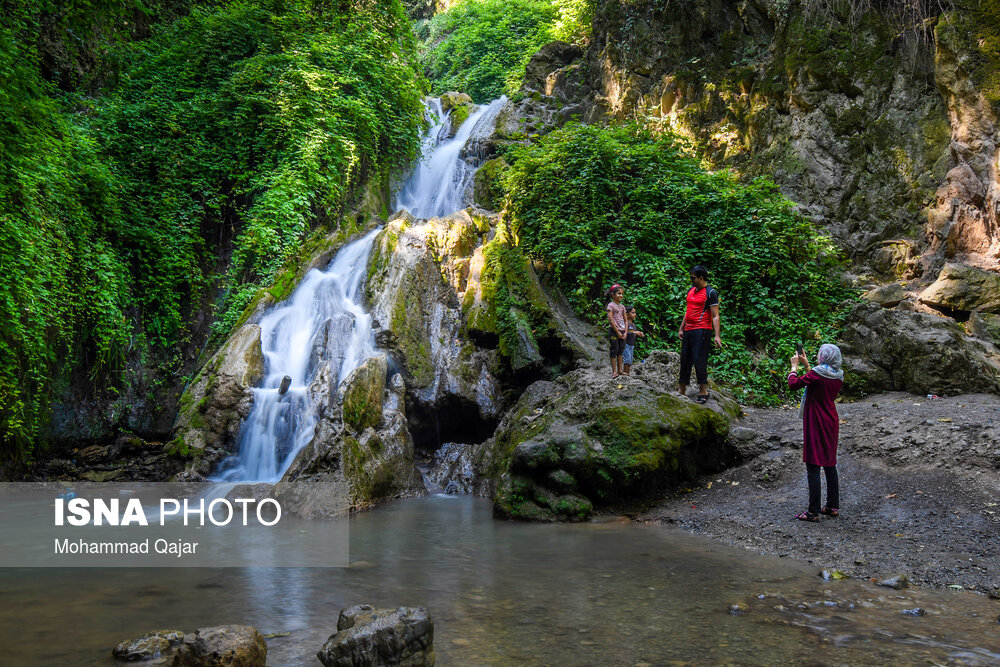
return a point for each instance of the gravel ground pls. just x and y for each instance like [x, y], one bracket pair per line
[920, 491]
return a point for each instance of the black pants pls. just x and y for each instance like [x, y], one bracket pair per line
[832, 487]
[694, 350]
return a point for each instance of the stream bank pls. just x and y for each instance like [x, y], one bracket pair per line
[920, 492]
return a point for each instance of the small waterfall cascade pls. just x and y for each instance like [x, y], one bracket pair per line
[442, 182]
[324, 320]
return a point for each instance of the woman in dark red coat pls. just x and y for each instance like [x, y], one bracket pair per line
[820, 426]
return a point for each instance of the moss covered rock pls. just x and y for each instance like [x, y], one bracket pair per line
[587, 442]
[218, 400]
[487, 189]
[419, 272]
[363, 394]
[460, 107]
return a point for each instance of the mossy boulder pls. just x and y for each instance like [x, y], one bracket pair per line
[488, 188]
[419, 273]
[361, 453]
[460, 106]
[218, 400]
[363, 390]
[587, 442]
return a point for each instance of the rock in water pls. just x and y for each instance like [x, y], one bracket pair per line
[369, 637]
[223, 646]
[286, 382]
[150, 645]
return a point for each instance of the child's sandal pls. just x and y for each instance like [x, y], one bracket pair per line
[807, 516]
[830, 511]
[702, 399]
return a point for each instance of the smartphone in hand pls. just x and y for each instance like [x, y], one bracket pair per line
[799, 351]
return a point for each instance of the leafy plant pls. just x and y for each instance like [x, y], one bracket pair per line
[481, 47]
[223, 139]
[622, 204]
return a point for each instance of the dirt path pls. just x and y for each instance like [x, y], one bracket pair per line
[920, 492]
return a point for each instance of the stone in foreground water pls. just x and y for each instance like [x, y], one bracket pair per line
[223, 646]
[150, 645]
[368, 637]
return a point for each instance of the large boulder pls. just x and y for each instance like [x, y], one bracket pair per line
[222, 646]
[964, 288]
[460, 107]
[218, 400]
[588, 441]
[915, 352]
[361, 447]
[369, 637]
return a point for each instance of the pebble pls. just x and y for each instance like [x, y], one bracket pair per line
[738, 609]
[916, 611]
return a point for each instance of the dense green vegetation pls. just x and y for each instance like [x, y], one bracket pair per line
[620, 204]
[231, 131]
[481, 47]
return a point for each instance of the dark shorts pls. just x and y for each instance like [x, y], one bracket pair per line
[617, 344]
[694, 352]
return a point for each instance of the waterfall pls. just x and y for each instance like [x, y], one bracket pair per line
[442, 182]
[324, 319]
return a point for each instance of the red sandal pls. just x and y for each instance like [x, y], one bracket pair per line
[807, 516]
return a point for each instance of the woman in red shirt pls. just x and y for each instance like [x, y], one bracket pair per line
[820, 426]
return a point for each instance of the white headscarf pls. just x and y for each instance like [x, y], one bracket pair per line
[830, 360]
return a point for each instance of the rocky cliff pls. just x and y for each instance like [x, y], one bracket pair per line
[880, 126]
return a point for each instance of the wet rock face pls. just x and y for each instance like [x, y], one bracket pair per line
[419, 270]
[373, 637]
[361, 446]
[218, 400]
[453, 470]
[915, 352]
[222, 646]
[587, 440]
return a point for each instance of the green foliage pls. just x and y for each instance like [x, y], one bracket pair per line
[481, 47]
[620, 204]
[229, 134]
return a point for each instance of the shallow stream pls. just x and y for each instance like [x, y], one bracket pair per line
[505, 593]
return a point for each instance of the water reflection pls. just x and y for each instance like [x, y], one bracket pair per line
[506, 593]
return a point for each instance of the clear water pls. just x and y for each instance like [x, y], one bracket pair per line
[511, 593]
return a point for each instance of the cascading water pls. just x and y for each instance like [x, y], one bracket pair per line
[324, 319]
[440, 184]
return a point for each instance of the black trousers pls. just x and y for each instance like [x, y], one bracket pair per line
[832, 487]
[694, 351]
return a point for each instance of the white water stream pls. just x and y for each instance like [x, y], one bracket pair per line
[324, 320]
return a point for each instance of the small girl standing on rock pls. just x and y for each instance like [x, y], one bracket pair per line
[820, 426]
[616, 333]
